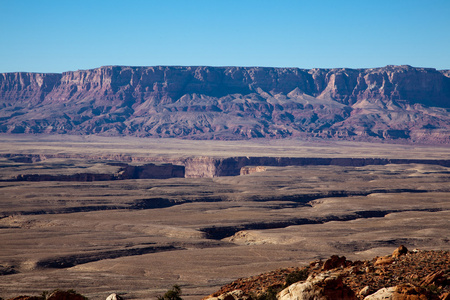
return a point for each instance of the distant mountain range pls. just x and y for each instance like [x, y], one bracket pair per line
[400, 103]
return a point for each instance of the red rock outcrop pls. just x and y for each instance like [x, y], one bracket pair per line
[390, 103]
[402, 250]
[335, 262]
[412, 275]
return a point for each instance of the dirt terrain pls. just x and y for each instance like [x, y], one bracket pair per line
[138, 237]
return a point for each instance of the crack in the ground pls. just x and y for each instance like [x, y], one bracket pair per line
[154, 203]
[363, 245]
[77, 259]
[221, 232]
[305, 198]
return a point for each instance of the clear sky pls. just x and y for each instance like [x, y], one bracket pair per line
[67, 35]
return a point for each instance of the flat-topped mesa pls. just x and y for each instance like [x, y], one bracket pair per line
[394, 102]
[391, 82]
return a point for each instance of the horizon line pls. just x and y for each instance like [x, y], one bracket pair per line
[230, 66]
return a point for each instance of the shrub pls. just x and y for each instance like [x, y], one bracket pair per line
[270, 294]
[296, 277]
[172, 294]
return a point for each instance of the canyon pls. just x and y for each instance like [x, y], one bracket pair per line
[129, 180]
[196, 167]
[241, 208]
[124, 171]
[393, 103]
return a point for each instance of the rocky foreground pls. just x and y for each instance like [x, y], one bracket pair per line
[403, 275]
[400, 103]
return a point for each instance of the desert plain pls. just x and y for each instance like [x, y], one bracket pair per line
[138, 237]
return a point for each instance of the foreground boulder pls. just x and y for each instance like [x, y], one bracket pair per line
[114, 297]
[323, 286]
[402, 250]
[402, 292]
[335, 262]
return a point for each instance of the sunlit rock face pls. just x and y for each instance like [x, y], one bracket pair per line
[400, 103]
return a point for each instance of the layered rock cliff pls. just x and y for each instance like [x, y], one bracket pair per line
[394, 102]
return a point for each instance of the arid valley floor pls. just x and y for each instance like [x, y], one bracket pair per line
[138, 237]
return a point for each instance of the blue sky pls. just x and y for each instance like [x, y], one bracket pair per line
[63, 35]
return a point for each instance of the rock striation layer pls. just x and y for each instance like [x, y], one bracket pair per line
[390, 103]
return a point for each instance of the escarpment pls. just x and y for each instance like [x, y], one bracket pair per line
[197, 167]
[391, 103]
[233, 166]
[146, 171]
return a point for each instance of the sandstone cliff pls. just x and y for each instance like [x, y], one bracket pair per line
[394, 102]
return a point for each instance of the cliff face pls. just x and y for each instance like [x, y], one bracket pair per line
[146, 171]
[233, 166]
[394, 102]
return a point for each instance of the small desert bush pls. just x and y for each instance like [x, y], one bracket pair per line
[270, 294]
[173, 294]
[297, 276]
